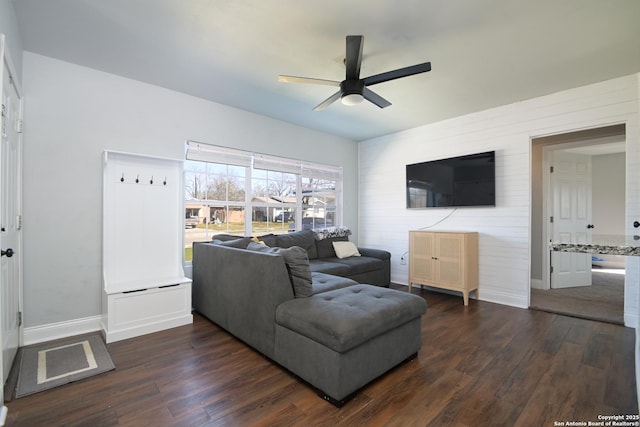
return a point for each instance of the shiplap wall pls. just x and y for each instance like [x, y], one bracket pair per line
[384, 222]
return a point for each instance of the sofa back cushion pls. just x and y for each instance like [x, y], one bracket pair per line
[268, 239]
[304, 239]
[324, 247]
[225, 237]
[297, 265]
[238, 242]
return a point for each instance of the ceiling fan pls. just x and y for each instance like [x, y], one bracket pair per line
[353, 89]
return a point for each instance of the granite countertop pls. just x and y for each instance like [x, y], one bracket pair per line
[602, 244]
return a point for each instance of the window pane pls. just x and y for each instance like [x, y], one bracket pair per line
[195, 185]
[190, 165]
[260, 220]
[230, 220]
[235, 189]
[239, 171]
[283, 220]
[259, 173]
[217, 168]
[259, 189]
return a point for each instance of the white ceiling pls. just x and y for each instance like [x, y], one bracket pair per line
[483, 53]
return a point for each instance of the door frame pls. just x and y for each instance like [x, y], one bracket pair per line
[546, 187]
[6, 58]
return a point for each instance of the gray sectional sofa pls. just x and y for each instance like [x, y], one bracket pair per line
[331, 331]
[372, 267]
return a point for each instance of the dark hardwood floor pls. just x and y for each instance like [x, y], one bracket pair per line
[481, 365]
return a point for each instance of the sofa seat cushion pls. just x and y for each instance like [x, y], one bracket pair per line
[322, 282]
[329, 267]
[345, 318]
[359, 264]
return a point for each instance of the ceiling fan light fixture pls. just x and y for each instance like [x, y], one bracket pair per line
[352, 99]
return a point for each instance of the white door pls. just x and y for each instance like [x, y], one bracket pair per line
[571, 189]
[10, 158]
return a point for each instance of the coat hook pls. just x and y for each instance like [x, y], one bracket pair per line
[151, 180]
[165, 181]
[137, 179]
[122, 179]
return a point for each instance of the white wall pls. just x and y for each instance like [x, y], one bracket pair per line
[9, 27]
[608, 191]
[608, 184]
[504, 230]
[72, 114]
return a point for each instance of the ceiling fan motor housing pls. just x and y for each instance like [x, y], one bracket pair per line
[352, 87]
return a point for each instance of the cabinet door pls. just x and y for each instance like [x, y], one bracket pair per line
[449, 251]
[422, 260]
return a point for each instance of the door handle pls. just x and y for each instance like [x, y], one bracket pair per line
[590, 226]
[8, 253]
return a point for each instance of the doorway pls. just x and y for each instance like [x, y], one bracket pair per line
[598, 293]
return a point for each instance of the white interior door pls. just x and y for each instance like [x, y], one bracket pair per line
[10, 159]
[571, 191]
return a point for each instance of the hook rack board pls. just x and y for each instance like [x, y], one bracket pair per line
[144, 286]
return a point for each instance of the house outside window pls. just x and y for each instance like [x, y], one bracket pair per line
[237, 192]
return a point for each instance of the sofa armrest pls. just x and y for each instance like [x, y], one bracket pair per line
[375, 253]
[385, 257]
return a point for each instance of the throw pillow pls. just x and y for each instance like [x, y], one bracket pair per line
[297, 266]
[345, 249]
[325, 246]
[256, 240]
[329, 232]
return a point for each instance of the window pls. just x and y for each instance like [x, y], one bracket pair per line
[247, 194]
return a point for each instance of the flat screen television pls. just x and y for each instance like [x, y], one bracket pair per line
[454, 182]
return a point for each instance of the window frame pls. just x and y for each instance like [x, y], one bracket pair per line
[303, 170]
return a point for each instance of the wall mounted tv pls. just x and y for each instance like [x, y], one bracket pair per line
[453, 182]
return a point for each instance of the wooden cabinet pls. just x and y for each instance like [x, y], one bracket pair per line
[447, 260]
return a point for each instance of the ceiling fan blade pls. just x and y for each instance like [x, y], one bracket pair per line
[354, 57]
[396, 74]
[330, 100]
[373, 97]
[294, 79]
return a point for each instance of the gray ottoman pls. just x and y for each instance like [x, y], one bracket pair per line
[340, 340]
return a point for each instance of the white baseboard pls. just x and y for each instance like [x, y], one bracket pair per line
[136, 331]
[54, 331]
[504, 298]
[485, 295]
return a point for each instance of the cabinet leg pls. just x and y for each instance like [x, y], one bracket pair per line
[410, 284]
[465, 297]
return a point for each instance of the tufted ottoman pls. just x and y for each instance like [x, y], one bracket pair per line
[341, 339]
